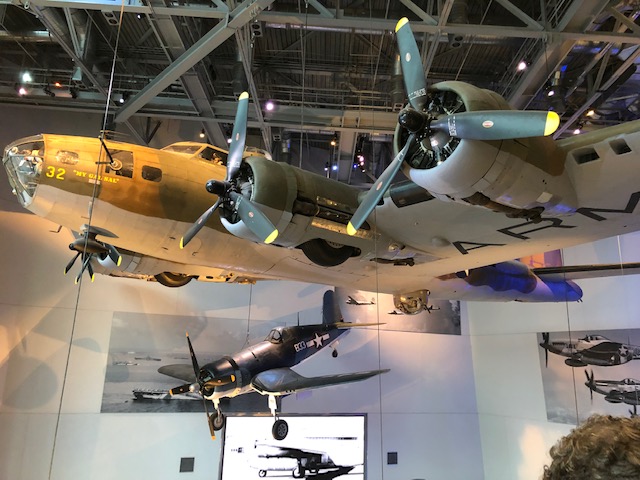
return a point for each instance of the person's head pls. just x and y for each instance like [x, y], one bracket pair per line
[602, 448]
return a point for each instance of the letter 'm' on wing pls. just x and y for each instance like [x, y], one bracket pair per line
[280, 381]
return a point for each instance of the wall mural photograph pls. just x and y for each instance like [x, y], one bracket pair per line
[587, 372]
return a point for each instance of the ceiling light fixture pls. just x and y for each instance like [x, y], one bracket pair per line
[202, 133]
[522, 65]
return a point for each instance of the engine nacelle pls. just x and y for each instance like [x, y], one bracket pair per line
[522, 178]
[309, 211]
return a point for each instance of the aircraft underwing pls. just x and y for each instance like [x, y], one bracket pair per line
[486, 185]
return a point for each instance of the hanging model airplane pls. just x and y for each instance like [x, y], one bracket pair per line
[625, 391]
[590, 350]
[266, 367]
[487, 185]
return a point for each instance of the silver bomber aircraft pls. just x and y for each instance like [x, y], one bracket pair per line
[485, 185]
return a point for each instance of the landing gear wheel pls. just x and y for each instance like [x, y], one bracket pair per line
[298, 472]
[334, 354]
[172, 280]
[262, 473]
[280, 429]
[217, 420]
[327, 254]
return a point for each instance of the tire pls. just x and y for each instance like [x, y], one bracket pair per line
[298, 472]
[173, 280]
[262, 473]
[327, 254]
[280, 429]
[217, 421]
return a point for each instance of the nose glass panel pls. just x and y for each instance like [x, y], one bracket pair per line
[23, 160]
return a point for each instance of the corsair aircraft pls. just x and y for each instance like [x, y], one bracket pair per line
[266, 367]
[486, 184]
[590, 350]
[625, 391]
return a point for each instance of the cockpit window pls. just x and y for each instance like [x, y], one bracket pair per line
[213, 155]
[190, 149]
[275, 336]
[23, 161]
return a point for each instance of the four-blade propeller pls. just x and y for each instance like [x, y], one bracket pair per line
[472, 125]
[246, 210]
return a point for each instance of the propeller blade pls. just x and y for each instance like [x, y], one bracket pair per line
[412, 69]
[90, 270]
[218, 382]
[194, 360]
[85, 264]
[254, 219]
[497, 124]
[181, 389]
[195, 228]
[114, 255]
[70, 264]
[236, 148]
[376, 192]
[590, 382]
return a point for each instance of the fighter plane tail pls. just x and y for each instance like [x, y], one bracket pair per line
[331, 313]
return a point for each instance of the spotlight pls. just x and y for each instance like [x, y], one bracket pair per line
[26, 77]
[326, 167]
[334, 167]
[576, 131]
[590, 113]
[57, 84]
[269, 106]
[22, 91]
[522, 66]
[228, 140]
[551, 93]
[334, 141]
[202, 133]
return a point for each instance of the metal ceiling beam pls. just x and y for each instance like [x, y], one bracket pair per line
[519, 14]
[209, 42]
[420, 13]
[579, 17]
[55, 33]
[173, 45]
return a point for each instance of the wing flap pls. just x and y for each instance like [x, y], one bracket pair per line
[281, 381]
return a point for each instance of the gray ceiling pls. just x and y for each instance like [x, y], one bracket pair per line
[330, 65]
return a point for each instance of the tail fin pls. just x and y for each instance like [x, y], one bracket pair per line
[330, 309]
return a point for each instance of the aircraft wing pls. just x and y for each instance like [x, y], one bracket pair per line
[282, 381]
[580, 272]
[181, 371]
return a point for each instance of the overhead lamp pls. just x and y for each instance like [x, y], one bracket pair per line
[229, 140]
[202, 133]
[577, 131]
[22, 90]
[334, 141]
[57, 84]
[590, 113]
[522, 65]
[551, 93]
[269, 106]
[26, 77]
[326, 167]
[334, 167]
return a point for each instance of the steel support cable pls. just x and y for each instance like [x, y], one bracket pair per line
[86, 239]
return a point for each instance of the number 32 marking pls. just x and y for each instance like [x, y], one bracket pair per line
[57, 173]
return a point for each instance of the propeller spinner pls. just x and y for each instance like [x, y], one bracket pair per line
[473, 125]
[227, 192]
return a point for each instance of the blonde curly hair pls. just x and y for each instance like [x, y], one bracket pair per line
[602, 448]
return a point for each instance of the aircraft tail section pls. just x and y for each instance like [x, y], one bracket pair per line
[331, 313]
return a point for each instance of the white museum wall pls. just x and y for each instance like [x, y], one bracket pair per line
[54, 348]
[515, 433]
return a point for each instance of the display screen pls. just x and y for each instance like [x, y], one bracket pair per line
[315, 447]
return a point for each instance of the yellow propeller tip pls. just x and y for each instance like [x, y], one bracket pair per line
[243, 95]
[271, 236]
[350, 230]
[552, 124]
[181, 243]
[233, 378]
[93, 277]
[119, 261]
[401, 23]
[187, 333]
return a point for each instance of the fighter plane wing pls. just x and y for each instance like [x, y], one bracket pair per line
[281, 381]
[580, 272]
[182, 372]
